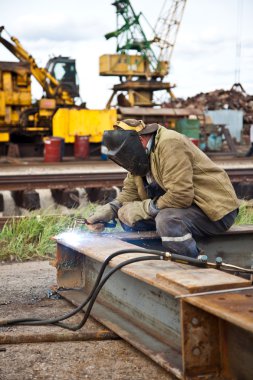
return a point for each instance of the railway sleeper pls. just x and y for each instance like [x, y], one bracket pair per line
[101, 195]
[27, 199]
[1, 202]
[38, 199]
[67, 197]
[244, 190]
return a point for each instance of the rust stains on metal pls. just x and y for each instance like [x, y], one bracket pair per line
[236, 307]
[200, 341]
[58, 337]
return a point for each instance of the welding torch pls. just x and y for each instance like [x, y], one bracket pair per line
[202, 261]
[99, 225]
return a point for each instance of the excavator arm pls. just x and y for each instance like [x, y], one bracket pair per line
[48, 82]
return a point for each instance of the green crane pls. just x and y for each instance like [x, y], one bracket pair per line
[142, 73]
[130, 34]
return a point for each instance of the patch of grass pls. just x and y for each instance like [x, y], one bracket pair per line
[245, 215]
[31, 236]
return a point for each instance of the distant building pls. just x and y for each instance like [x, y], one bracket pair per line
[233, 119]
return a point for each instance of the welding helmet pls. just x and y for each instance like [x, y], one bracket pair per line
[126, 150]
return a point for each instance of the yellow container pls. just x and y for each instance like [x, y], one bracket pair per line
[67, 123]
[122, 64]
[4, 137]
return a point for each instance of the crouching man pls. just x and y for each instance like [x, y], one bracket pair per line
[171, 187]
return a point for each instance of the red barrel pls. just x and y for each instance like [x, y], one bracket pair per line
[53, 149]
[194, 141]
[81, 147]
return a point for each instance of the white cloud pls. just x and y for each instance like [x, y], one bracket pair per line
[62, 29]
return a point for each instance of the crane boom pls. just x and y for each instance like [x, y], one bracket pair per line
[48, 82]
[167, 27]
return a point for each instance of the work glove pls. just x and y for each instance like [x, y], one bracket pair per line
[132, 212]
[103, 214]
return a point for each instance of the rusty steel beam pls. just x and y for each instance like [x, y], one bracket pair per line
[141, 303]
[218, 332]
[58, 337]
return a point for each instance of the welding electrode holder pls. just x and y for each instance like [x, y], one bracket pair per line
[83, 221]
[202, 262]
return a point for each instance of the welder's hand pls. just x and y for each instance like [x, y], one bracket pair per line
[97, 227]
[132, 212]
[102, 214]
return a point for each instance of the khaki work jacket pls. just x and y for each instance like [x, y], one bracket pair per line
[186, 175]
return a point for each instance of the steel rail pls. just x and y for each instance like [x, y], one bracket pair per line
[96, 179]
[60, 181]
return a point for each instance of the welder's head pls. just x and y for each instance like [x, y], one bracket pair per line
[125, 147]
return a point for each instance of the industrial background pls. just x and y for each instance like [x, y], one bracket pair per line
[68, 72]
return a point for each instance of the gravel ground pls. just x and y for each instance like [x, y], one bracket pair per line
[24, 288]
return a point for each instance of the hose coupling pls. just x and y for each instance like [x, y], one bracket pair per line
[167, 256]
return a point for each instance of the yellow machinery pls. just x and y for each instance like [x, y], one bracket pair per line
[56, 113]
[15, 94]
[70, 122]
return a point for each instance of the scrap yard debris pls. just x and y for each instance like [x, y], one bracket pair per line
[235, 99]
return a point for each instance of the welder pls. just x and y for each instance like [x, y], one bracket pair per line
[171, 187]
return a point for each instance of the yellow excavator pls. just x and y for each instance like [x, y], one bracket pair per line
[56, 113]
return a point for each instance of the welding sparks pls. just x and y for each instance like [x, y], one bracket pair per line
[76, 235]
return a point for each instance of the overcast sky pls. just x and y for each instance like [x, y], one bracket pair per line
[204, 58]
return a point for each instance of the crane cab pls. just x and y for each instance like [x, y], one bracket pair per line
[63, 69]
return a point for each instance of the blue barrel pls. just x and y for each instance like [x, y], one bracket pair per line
[104, 152]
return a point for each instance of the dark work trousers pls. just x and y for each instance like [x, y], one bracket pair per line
[178, 228]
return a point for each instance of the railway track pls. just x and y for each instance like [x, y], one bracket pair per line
[91, 174]
[60, 181]
[67, 175]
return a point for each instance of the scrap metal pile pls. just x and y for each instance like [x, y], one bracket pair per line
[235, 99]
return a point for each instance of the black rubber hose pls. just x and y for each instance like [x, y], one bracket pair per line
[84, 303]
[92, 300]
[95, 294]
